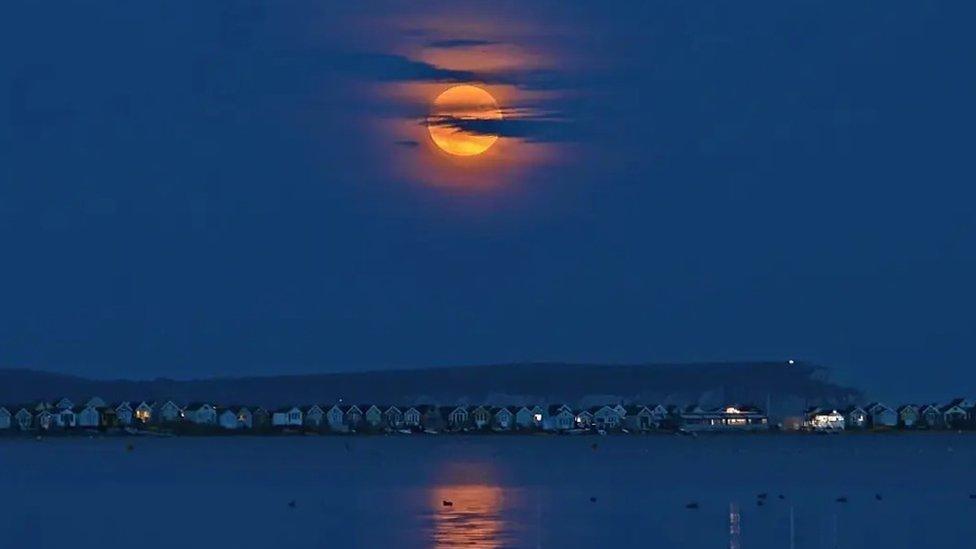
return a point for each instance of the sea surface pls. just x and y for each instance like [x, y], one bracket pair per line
[735, 491]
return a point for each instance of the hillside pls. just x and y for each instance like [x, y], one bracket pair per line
[783, 385]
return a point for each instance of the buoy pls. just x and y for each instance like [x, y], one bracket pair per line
[692, 505]
[877, 497]
[292, 504]
[447, 503]
[762, 495]
[781, 496]
[842, 499]
[592, 499]
[129, 447]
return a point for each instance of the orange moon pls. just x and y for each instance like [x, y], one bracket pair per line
[464, 102]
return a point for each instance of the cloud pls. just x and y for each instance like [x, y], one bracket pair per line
[461, 43]
[397, 68]
[538, 129]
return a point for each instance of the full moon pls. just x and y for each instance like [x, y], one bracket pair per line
[463, 102]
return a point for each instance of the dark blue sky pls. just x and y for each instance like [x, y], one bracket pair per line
[242, 187]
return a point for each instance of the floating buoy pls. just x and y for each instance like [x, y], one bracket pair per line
[842, 499]
[292, 504]
[781, 496]
[592, 499]
[762, 495]
[692, 505]
[877, 497]
[129, 447]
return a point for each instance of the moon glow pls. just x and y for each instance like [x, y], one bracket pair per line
[460, 103]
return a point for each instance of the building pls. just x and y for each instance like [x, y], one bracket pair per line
[289, 416]
[730, 418]
[393, 418]
[457, 416]
[373, 416]
[88, 416]
[559, 417]
[502, 419]
[908, 416]
[881, 416]
[313, 416]
[930, 416]
[6, 419]
[855, 417]
[606, 418]
[955, 415]
[200, 413]
[412, 418]
[818, 419]
[481, 417]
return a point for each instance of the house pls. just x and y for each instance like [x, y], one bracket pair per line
[855, 417]
[290, 416]
[481, 417]
[123, 413]
[393, 418]
[524, 419]
[560, 417]
[729, 418]
[64, 418]
[96, 402]
[235, 417]
[63, 403]
[260, 418]
[47, 419]
[640, 418]
[143, 412]
[457, 416]
[931, 416]
[87, 416]
[881, 416]
[908, 416]
[23, 419]
[955, 415]
[819, 419]
[659, 414]
[200, 413]
[373, 416]
[538, 416]
[430, 417]
[227, 419]
[169, 412]
[5, 418]
[336, 418]
[412, 417]
[621, 411]
[502, 419]
[314, 416]
[353, 417]
[244, 417]
[584, 419]
[605, 417]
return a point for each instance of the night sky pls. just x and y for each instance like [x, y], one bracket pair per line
[242, 187]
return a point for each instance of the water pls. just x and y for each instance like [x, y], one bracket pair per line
[490, 491]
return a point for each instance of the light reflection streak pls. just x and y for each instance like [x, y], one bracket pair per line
[468, 515]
